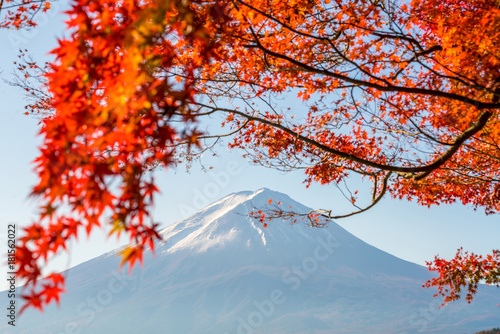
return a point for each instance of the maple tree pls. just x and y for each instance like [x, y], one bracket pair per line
[405, 95]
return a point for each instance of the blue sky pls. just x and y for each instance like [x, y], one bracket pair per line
[401, 228]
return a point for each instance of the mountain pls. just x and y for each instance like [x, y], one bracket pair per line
[220, 271]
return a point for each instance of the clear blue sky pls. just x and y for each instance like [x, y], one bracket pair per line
[403, 229]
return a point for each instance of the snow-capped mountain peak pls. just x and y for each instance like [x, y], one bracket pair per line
[221, 271]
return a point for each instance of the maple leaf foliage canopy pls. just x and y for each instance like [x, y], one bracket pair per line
[111, 122]
[404, 94]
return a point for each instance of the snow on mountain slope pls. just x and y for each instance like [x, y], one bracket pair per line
[220, 271]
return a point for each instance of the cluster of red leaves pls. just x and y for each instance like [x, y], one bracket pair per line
[262, 58]
[21, 14]
[275, 211]
[111, 110]
[465, 270]
[30, 77]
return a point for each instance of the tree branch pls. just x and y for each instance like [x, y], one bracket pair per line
[374, 202]
[407, 172]
[389, 88]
